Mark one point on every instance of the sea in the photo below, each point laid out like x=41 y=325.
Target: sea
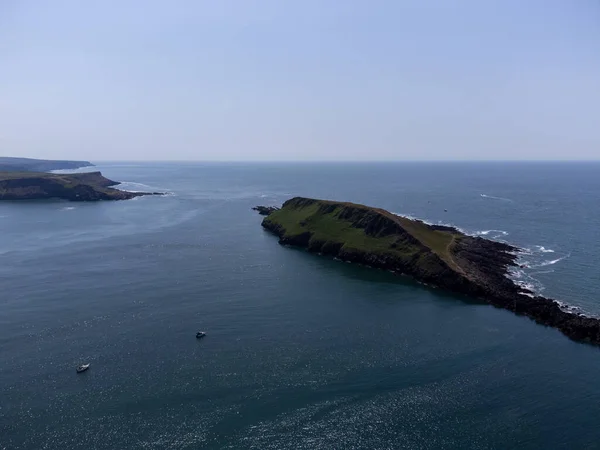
x=302 y=351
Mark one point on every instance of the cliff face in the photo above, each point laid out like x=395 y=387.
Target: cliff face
x=90 y=186
x=437 y=255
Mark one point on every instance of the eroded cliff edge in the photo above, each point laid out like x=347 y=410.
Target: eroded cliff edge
x=439 y=256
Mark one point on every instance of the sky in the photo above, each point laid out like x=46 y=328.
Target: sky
x=242 y=80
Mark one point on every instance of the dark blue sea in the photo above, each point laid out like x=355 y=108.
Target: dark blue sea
x=302 y=352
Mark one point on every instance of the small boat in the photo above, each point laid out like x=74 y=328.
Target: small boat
x=82 y=368
x=200 y=334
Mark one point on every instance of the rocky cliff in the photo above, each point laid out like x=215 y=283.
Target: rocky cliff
x=437 y=255
x=90 y=186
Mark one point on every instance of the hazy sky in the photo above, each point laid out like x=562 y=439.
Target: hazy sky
x=297 y=80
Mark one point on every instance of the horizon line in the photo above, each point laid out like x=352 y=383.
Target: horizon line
x=342 y=161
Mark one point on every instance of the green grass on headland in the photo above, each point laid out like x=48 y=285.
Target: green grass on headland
x=346 y=224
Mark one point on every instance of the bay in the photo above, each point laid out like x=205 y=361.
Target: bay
x=302 y=351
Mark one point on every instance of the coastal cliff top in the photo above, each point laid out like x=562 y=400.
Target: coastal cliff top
x=430 y=252
x=89 y=186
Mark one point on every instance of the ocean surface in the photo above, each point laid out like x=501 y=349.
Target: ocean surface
x=302 y=352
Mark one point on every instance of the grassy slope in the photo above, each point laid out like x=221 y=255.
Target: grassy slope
x=40 y=181
x=92 y=178
x=327 y=226
x=12 y=164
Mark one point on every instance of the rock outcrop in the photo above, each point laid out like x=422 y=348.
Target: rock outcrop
x=439 y=256
x=265 y=210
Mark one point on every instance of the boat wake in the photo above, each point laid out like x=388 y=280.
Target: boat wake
x=504 y=199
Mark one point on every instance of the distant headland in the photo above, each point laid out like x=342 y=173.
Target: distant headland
x=439 y=256
x=10 y=164
x=27 y=179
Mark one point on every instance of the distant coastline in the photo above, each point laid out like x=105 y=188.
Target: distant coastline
x=13 y=164
x=28 y=179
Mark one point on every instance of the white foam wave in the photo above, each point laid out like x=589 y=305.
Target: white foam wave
x=524 y=280
x=411 y=217
x=439 y=223
x=67 y=208
x=462 y=230
x=524 y=274
x=527 y=285
x=492 y=234
x=528 y=264
x=132 y=186
x=530 y=267
x=553 y=261
x=133 y=183
x=497 y=198
x=517 y=274
x=529 y=294
x=543 y=249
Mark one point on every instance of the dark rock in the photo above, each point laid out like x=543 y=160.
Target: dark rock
x=265 y=210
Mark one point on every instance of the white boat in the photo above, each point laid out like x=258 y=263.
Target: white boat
x=200 y=334
x=83 y=368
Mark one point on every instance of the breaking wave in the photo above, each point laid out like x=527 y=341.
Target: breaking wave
x=554 y=261
x=132 y=186
x=529 y=259
x=491 y=234
x=535 y=263
x=428 y=222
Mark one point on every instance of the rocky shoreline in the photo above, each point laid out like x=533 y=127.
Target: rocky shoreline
x=473 y=266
